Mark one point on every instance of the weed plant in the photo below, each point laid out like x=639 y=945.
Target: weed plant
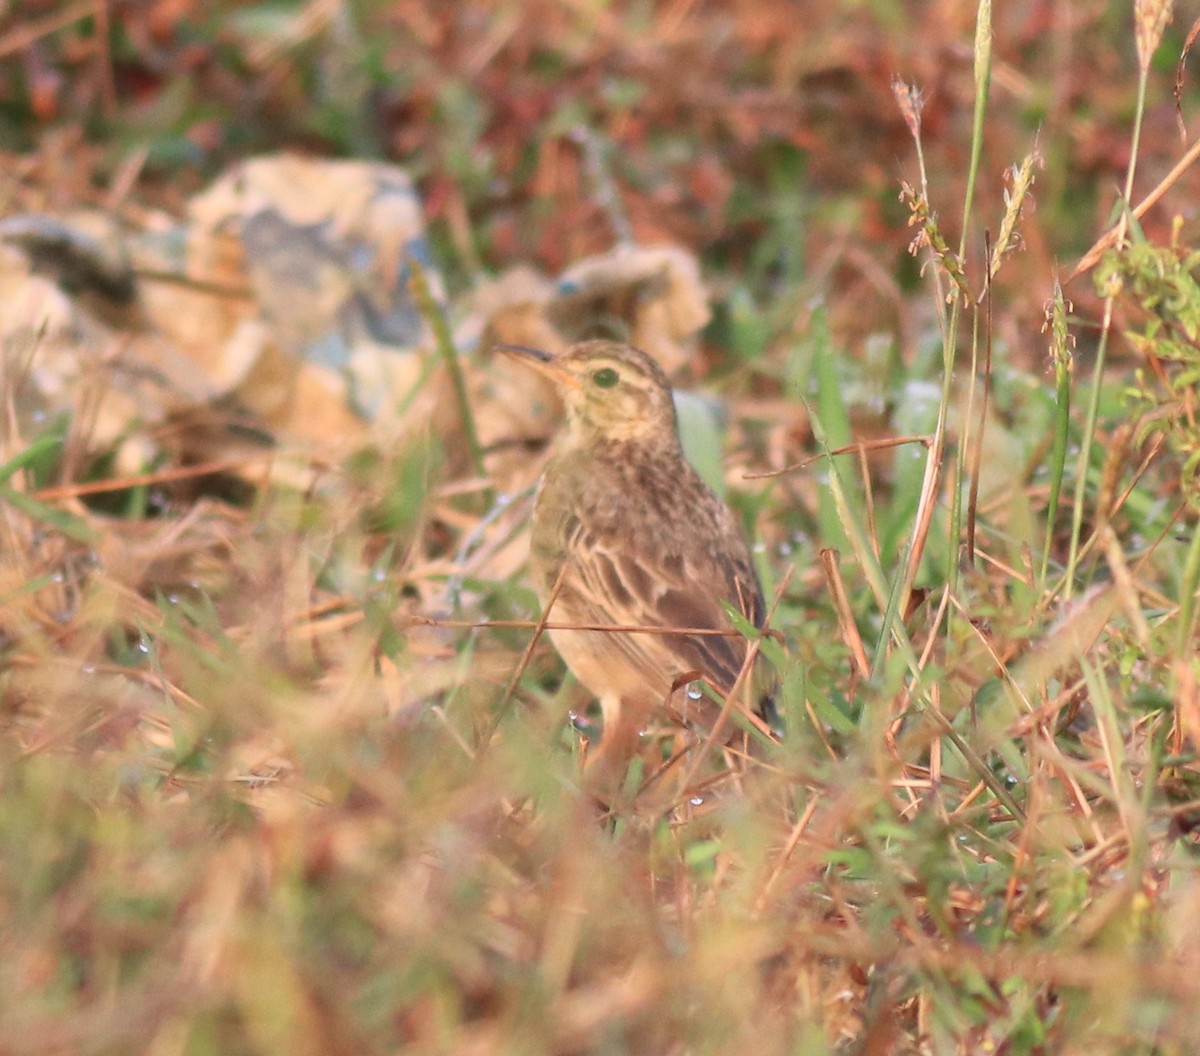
x=296 y=776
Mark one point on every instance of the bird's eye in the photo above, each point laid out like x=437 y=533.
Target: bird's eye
x=605 y=377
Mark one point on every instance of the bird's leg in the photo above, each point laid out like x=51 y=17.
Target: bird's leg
x=605 y=769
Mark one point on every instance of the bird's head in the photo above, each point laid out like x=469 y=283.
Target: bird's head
x=610 y=391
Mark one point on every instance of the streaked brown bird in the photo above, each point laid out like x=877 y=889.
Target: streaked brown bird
x=638 y=539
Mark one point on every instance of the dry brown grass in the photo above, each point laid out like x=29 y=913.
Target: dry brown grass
x=262 y=786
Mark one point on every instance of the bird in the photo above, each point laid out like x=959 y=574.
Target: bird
x=626 y=533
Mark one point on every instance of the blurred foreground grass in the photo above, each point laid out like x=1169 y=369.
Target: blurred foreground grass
x=253 y=801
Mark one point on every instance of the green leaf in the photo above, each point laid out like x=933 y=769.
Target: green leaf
x=68 y=524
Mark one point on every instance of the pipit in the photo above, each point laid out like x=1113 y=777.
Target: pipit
x=628 y=534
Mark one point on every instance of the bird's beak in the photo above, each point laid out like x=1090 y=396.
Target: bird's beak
x=543 y=362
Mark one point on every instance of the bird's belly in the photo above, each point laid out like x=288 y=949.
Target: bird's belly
x=614 y=665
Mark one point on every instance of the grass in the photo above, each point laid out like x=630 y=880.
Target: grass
x=295 y=776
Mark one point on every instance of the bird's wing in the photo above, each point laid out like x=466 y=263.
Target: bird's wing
x=656 y=582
